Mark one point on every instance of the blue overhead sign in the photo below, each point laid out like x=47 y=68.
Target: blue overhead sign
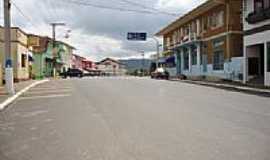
x=135 y=36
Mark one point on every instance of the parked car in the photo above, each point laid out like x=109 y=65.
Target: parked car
x=73 y=72
x=160 y=73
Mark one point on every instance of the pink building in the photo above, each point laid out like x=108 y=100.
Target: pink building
x=87 y=64
x=77 y=61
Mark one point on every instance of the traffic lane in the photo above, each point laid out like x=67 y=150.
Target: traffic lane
x=133 y=119
x=57 y=128
x=226 y=121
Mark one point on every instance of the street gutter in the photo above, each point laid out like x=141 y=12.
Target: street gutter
x=247 y=90
x=11 y=99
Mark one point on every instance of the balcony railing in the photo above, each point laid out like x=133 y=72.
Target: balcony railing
x=258 y=16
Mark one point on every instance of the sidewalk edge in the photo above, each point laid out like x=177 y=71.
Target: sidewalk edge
x=9 y=100
x=247 y=90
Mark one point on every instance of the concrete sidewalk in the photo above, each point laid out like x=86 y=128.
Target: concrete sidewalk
x=20 y=88
x=232 y=87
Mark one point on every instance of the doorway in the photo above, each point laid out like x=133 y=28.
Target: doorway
x=256 y=64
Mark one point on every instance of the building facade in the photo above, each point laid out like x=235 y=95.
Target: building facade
x=256 y=22
x=111 y=67
x=20 y=53
x=78 y=61
x=207 y=41
x=47 y=54
x=88 y=65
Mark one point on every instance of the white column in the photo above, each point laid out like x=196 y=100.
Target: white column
x=189 y=59
x=199 y=54
x=245 y=66
x=199 y=57
x=182 y=59
x=198 y=26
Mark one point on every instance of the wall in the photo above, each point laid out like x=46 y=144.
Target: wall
x=22 y=72
x=38 y=65
x=233 y=70
x=18 y=46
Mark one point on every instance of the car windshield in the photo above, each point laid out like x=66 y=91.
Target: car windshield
x=134 y=80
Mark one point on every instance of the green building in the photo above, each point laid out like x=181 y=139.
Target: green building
x=45 y=54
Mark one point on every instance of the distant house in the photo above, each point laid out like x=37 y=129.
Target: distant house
x=78 y=61
x=87 y=64
x=111 y=66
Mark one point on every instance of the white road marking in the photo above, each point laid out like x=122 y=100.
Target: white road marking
x=34 y=113
x=48 y=92
x=48 y=88
x=45 y=97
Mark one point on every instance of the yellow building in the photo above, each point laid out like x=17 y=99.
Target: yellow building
x=19 y=51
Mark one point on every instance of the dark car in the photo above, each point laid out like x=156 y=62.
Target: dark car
x=73 y=72
x=160 y=73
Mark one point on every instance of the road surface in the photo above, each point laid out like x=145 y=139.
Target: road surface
x=134 y=119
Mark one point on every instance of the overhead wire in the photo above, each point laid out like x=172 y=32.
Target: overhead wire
x=121 y=9
x=24 y=15
x=148 y=7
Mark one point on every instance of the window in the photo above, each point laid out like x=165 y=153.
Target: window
x=23 y=60
x=218 y=56
x=218 y=60
x=186 y=60
x=187 y=30
x=216 y=19
x=168 y=42
x=220 y=19
x=204 y=21
x=266 y=4
x=194 y=55
x=258 y=5
x=268 y=57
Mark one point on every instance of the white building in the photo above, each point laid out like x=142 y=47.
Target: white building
x=111 y=67
x=256 y=19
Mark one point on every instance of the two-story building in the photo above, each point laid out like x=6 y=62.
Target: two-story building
x=20 y=53
x=256 y=22
x=78 y=61
x=207 y=41
x=46 y=55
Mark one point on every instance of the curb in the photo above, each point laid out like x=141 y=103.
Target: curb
x=251 y=91
x=18 y=94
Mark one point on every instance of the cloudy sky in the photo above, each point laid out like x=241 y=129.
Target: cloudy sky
x=99 y=27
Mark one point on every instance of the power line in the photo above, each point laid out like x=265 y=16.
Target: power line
x=147 y=7
x=112 y=8
x=23 y=14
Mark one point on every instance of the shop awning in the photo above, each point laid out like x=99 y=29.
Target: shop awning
x=167 y=53
x=170 y=59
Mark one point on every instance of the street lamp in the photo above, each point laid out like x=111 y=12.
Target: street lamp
x=143 y=63
x=157 y=45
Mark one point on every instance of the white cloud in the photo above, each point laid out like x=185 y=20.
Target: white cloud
x=97 y=33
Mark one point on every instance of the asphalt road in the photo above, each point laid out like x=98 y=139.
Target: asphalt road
x=134 y=119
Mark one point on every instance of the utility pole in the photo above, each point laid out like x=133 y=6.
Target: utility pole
x=54 y=25
x=8 y=58
x=143 y=63
x=157 y=45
